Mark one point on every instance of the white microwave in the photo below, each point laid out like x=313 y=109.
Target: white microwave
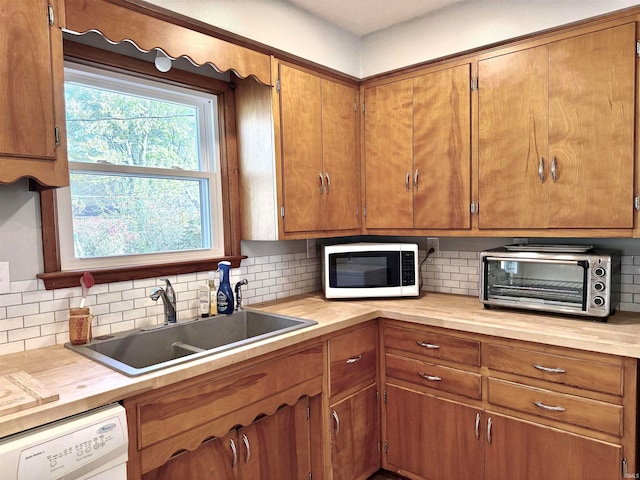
x=367 y=270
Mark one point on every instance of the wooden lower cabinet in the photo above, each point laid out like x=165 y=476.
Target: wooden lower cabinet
x=524 y=450
x=432 y=438
x=355 y=439
x=276 y=446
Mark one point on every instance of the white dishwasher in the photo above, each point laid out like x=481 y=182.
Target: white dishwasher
x=91 y=445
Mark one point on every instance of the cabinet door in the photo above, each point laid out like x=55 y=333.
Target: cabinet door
x=433 y=438
x=520 y=449
x=216 y=458
x=302 y=173
x=340 y=156
x=442 y=149
x=355 y=436
x=513 y=135
x=276 y=446
x=31 y=94
x=388 y=140
x=591 y=129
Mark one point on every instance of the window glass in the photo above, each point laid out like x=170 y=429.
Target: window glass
x=143 y=176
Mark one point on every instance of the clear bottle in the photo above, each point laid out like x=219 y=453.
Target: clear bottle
x=211 y=291
x=225 y=294
x=204 y=296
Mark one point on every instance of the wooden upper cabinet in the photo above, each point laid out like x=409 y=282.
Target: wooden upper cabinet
x=340 y=156
x=388 y=144
x=556 y=134
x=320 y=167
x=442 y=149
x=302 y=172
x=418 y=152
x=31 y=94
x=591 y=129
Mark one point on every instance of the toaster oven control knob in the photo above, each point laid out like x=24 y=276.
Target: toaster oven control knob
x=599 y=271
x=599 y=287
x=598 y=301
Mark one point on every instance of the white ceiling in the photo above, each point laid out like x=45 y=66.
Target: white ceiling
x=365 y=16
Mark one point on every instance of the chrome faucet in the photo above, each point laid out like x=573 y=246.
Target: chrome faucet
x=168 y=296
x=238 y=289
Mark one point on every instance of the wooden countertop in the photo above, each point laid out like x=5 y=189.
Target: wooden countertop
x=84 y=384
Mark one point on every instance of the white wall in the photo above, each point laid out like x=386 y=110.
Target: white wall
x=279 y=25
x=468 y=25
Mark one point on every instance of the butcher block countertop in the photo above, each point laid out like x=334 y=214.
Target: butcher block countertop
x=83 y=384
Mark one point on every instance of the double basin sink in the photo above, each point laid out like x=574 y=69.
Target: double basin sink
x=136 y=352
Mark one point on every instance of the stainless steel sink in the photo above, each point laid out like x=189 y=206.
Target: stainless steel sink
x=136 y=352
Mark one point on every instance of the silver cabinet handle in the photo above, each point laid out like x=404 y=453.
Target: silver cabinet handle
x=431 y=378
x=326 y=175
x=549 y=407
x=549 y=370
x=541 y=169
x=406 y=180
x=355 y=359
x=553 y=169
x=336 y=419
x=235 y=453
x=431 y=346
x=489 y=425
x=478 y=426
x=415 y=178
x=248 y=447
x=321 y=182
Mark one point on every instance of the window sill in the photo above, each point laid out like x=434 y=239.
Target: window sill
x=71 y=278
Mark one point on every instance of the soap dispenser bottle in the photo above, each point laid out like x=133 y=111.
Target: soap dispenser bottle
x=225 y=294
x=211 y=291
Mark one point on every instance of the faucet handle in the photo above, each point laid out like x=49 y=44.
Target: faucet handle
x=169 y=289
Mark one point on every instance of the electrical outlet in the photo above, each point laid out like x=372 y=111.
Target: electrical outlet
x=5 y=285
x=433 y=242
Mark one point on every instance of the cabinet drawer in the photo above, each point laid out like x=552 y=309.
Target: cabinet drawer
x=599 y=377
x=170 y=414
x=429 y=375
x=352 y=358
x=570 y=409
x=433 y=345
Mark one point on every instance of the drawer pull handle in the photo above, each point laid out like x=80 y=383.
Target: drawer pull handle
x=354 y=359
x=477 y=426
x=549 y=370
x=431 y=346
x=336 y=419
x=548 y=407
x=248 y=447
x=489 y=425
x=235 y=453
x=431 y=378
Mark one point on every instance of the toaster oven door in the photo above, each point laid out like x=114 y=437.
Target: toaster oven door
x=542 y=284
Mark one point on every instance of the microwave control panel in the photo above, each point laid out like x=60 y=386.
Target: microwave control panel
x=408 y=268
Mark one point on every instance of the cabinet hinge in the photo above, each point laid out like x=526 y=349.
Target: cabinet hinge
x=278 y=85
x=309 y=475
x=364 y=210
x=386 y=447
x=379 y=447
x=474 y=83
x=384 y=397
x=475 y=208
x=377 y=396
x=355 y=106
x=282 y=211
x=638 y=48
x=636 y=202
x=363 y=108
x=56 y=135
x=308 y=411
x=52 y=17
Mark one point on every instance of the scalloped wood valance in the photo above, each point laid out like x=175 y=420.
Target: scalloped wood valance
x=119 y=21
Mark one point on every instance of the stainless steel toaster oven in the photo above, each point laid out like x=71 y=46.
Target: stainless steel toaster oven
x=571 y=279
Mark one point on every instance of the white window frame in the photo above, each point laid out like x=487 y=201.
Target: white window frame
x=210 y=170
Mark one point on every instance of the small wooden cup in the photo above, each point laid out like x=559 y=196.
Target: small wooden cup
x=80 y=320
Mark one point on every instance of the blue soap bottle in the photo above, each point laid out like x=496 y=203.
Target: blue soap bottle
x=225 y=294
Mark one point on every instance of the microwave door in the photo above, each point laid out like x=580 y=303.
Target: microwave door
x=529 y=282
